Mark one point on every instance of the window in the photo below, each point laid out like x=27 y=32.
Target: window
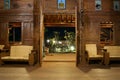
x=106 y=33
x=15 y=32
x=116 y=5
x=7 y=4
x=98 y=5
x=61 y=4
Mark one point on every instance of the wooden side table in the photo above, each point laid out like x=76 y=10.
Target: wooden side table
x=106 y=58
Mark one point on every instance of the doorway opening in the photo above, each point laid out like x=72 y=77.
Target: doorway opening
x=59 y=43
x=59 y=37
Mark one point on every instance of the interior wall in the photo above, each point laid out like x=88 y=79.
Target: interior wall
x=92 y=19
x=18 y=4
x=20 y=11
x=28 y=13
x=50 y=6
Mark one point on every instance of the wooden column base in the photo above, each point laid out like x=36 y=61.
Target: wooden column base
x=106 y=58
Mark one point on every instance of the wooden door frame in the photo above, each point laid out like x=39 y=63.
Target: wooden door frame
x=42 y=26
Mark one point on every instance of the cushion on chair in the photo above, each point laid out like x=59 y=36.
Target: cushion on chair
x=1 y=47
x=19 y=52
x=91 y=49
x=114 y=51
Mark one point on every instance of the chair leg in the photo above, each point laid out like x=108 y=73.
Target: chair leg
x=31 y=59
x=1 y=62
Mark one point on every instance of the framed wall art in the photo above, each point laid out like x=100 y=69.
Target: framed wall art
x=61 y=4
x=116 y=5
x=6 y=4
x=98 y=5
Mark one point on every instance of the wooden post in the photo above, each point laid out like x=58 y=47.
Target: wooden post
x=106 y=58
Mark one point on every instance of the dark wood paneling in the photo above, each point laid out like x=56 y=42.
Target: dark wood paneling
x=3 y=33
x=20 y=11
x=50 y=6
x=1 y=4
x=22 y=4
x=107 y=5
x=12 y=12
x=15 y=18
x=18 y=4
x=27 y=33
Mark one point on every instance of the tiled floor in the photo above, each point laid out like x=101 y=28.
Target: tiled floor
x=60 y=57
x=60 y=70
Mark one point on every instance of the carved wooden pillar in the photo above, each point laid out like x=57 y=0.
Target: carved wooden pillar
x=80 y=33
x=37 y=28
x=77 y=38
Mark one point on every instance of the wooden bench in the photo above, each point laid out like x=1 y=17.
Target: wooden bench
x=92 y=53
x=20 y=53
x=114 y=52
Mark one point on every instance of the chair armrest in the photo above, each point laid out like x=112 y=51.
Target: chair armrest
x=104 y=50
x=87 y=56
x=2 y=55
x=32 y=57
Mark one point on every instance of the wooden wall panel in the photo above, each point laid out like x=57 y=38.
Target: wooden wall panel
x=20 y=11
x=16 y=18
x=116 y=34
x=107 y=5
x=22 y=4
x=48 y=3
x=70 y=4
x=17 y=7
x=93 y=18
x=1 y=4
x=18 y=4
x=90 y=5
x=52 y=7
x=3 y=33
x=92 y=27
x=27 y=33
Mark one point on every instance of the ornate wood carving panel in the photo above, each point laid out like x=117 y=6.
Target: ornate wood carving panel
x=59 y=20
